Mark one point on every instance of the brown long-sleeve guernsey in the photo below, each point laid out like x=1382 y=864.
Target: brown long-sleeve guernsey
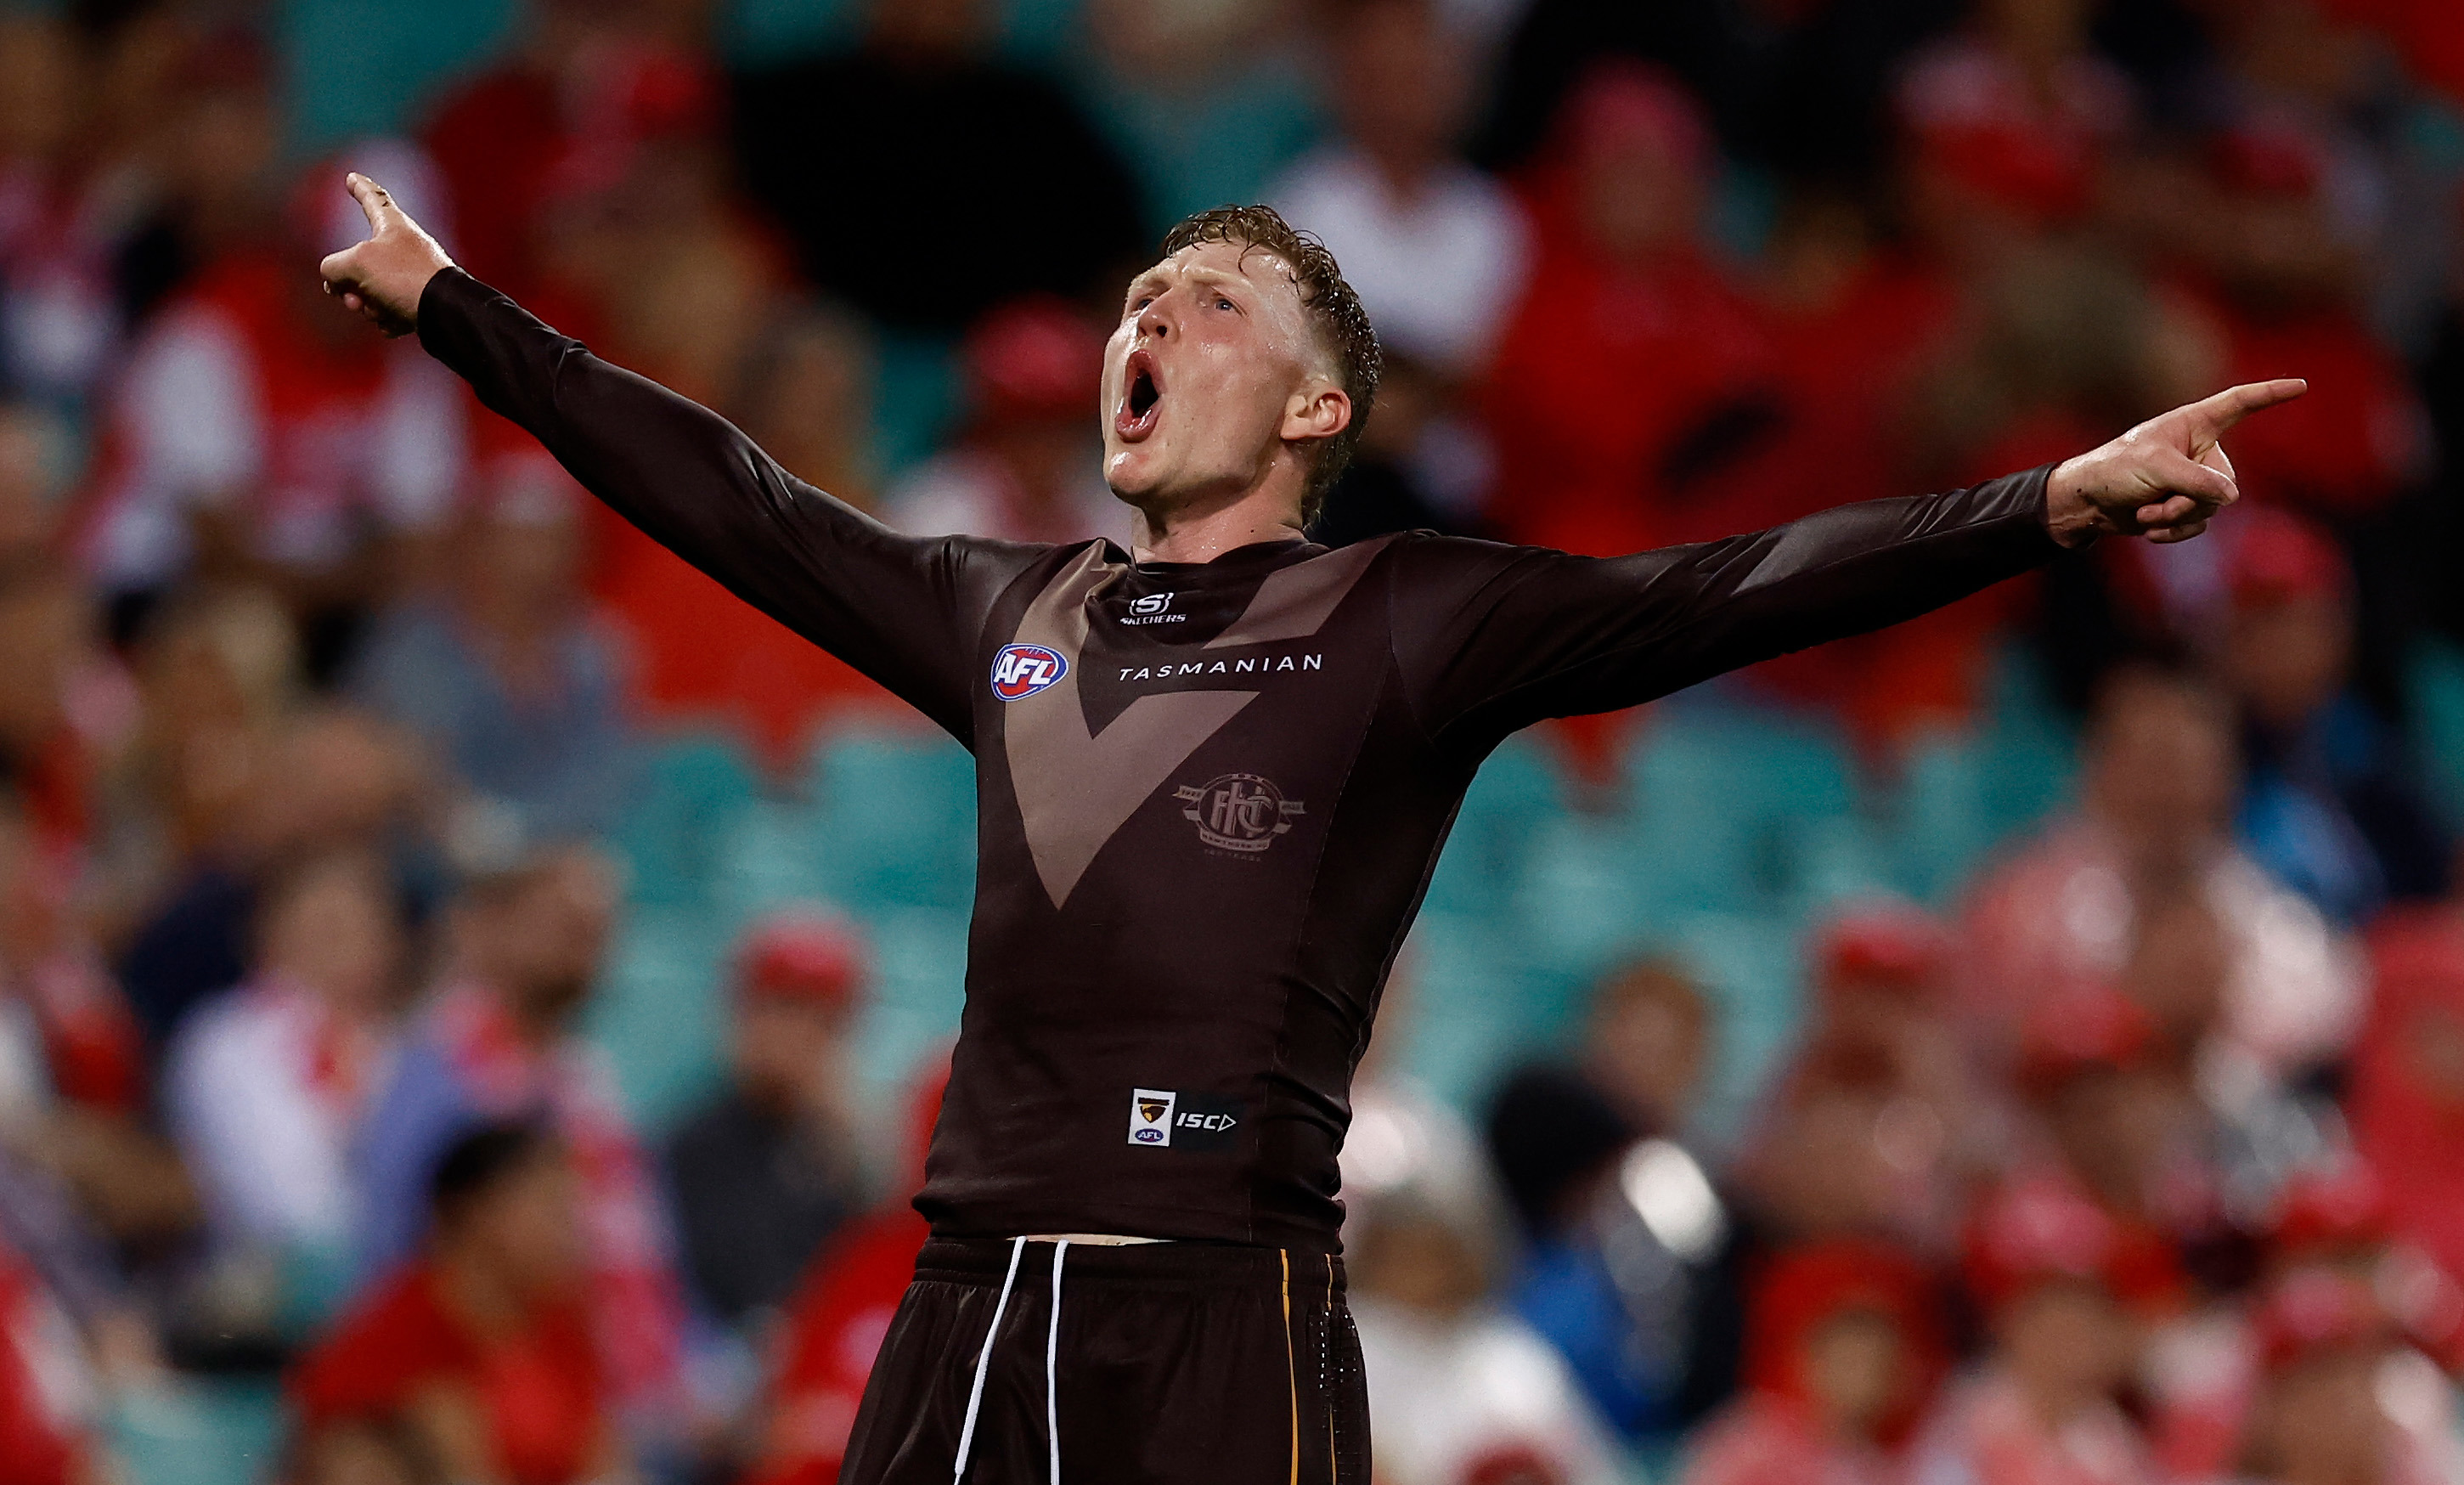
x=1209 y=795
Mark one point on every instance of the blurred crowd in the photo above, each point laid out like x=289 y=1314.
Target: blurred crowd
x=322 y=691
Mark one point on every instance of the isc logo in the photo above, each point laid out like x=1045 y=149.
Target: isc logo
x=1021 y=671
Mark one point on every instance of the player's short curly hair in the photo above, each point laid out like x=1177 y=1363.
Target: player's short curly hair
x=1333 y=308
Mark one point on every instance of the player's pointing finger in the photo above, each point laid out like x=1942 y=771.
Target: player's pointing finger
x=375 y=202
x=2212 y=418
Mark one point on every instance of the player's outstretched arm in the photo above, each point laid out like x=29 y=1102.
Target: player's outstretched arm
x=2164 y=479
x=1501 y=637
x=889 y=604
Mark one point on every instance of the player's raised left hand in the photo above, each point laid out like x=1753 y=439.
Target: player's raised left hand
x=2163 y=479
x=383 y=277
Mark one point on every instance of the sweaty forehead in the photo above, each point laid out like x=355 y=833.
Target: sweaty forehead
x=1219 y=261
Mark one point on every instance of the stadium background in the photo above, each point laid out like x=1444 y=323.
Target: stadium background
x=1882 y=980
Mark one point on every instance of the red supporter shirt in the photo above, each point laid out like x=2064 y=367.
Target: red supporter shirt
x=833 y=1333
x=1602 y=374
x=2348 y=445
x=40 y=1442
x=539 y=1390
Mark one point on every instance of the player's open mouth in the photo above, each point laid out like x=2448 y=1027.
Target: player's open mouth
x=1141 y=399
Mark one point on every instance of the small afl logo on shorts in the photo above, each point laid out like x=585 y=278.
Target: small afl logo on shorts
x=1151 y=1116
x=1021 y=671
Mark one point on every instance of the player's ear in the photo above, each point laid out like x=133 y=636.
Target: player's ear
x=1318 y=410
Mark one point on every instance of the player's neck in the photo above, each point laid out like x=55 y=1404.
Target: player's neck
x=1266 y=514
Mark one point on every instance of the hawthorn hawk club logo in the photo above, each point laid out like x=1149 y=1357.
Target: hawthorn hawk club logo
x=1151 y=1116
x=1238 y=811
x=1021 y=671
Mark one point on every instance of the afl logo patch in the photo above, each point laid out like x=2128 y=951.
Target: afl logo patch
x=1021 y=671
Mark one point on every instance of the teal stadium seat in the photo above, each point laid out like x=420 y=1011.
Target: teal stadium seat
x=893 y=820
x=197 y=1430
x=2435 y=677
x=1488 y=852
x=658 y=1015
x=919 y=985
x=1959 y=796
x=695 y=790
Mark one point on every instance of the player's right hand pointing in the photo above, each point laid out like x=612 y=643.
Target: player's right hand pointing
x=383 y=277
x=2163 y=479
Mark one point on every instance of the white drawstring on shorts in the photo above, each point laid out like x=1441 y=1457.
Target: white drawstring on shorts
x=1051 y=1364
x=1051 y=1354
x=984 y=1362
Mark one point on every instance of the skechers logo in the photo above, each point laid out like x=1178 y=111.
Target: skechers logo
x=1021 y=671
x=1152 y=608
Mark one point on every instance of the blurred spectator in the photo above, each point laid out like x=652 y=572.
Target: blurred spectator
x=1207 y=97
x=1417 y=467
x=260 y=432
x=767 y=1171
x=2007 y=120
x=1631 y=355
x=2206 y=1379
x=58 y=707
x=505 y=141
x=2156 y=790
x=2110 y=1102
x=1460 y=1386
x=1854 y=318
x=2327 y=805
x=644 y=238
x=1845 y=1346
x=73 y=1086
x=875 y=163
x=219 y=160
x=66 y=1032
x=2303 y=69
x=2041 y=1409
x=35 y=451
x=2058 y=344
x=805 y=393
x=49 y=1404
x=1833 y=1155
x=2264 y=259
x=506 y=674
x=2338 y=1401
x=330 y=778
x=480 y=1350
x=1436 y=250
x=84 y=102
x=2425 y=32
x=804 y=389
x=1631 y=1267
x=2408 y=1078
x=265 y=1086
x=841 y=1311
x=217 y=674
x=498 y=1042
x=1029 y=466
x=1458 y=1389
x=1555 y=43
x=1882 y=1034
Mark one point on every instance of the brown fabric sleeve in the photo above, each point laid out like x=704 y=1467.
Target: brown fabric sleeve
x=1491 y=639
x=906 y=610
